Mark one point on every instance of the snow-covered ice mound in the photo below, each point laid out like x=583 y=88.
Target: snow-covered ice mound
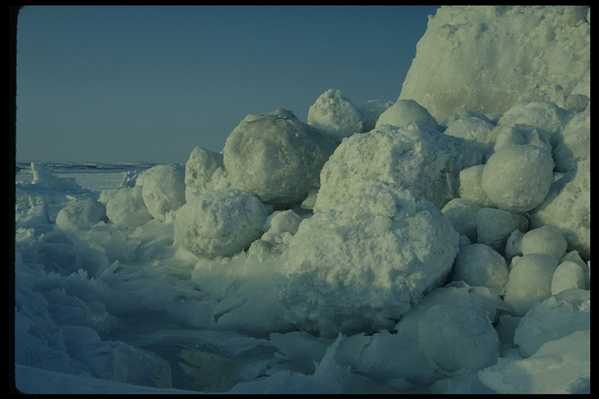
x=80 y=214
x=126 y=207
x=219 y=223
x=405 y=112
x=204 y=171
x=163 y=190
x=365 y=262
x=335 y=115
x=424 y=162
x=275 y=156
x=489 y=58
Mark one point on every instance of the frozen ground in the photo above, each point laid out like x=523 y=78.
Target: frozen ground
x=373 y=249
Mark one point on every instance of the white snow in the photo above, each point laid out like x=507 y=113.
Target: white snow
x=126 y=207
x=163 y=190
x=334 y=114
x=204 y=171
x=518 y=177
x=406 y=112
x=80 y=214
x=275 y=156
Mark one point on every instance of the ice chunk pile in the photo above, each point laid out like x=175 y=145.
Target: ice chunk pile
x=438 y=244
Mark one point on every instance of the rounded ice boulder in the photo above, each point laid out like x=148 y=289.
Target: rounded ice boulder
x=575 y=145
x=276 y=157
x=568 y=207
x=163 y=190
x=473 y=128
x=546 y=240
x=365 y=262
x=479 y=265
x=517 y=178
x=529 y=281
x=406 y=112
x=126 y=207
x=554 y=318
x=335 y=115
x=219 y=223
x=568 y=275
x=424 y=162
x=204 y=171
x=547 y=118
x=506 y=136
x=494 y=226
x=80 y=214
x=470 y=186
x=371 y=112
x=462 y=215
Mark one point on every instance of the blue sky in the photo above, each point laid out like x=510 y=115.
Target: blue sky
x=132 y=83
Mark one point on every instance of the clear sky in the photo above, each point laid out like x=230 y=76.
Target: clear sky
x=136 y=83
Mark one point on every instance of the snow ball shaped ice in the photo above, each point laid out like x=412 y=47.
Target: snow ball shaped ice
x=405 y=112
x=470 y=186
x=334 y=114
x=546 y=240
x=219 y=223
x=275 y=156
x=472 y=128
x=576 y=142
x=204 y=171
x=126 y=207
x=371 y=112
x=423 y=162
x=80 y=214
x=494 y=226
x=281 y=222
x=568 y=275
x=163 y=190
x=506 y=136
x=462 y=215
x=481 y=266
x=529 y=281
x=517 y=178
x=455 y=339
x=545 y=116
x=568 y=207
x=554 y=318
x=366 y=262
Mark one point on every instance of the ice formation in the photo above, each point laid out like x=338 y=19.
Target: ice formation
x=479 y=265
x=126 y=207
x=219 y=223
x=204 y=171
x=275 y=156
x=568 y=207
x=554 y=318
x=422 y=161
x=371 y=111
x=529 y=281
x=546 y=240
x=384 y=249
x=494 y=57
x=334 y=114
x=380 y=237
x=494 y=226
x=405 y=112
x=517 y=178
x=163 y=190
x=80 y=214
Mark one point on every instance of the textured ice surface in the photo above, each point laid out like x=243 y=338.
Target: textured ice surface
x=529 y=281
x=479 y=265
x=462 y=215
x=406 y=112
x=163 y=190
x=568 y=207
x=366 y=261
x=489 y=58
x=470 y=186
x=80 y=214
x=546 y=240
x=334 y=114
x=219 y=223
x=204 y=171
x=424 y=162
x=126 y=207
x=275 y=156
x=554 y=318
x=494 y=226
x=575 y=144
x=371 y=111
x=518 y=177
x=561 y=366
